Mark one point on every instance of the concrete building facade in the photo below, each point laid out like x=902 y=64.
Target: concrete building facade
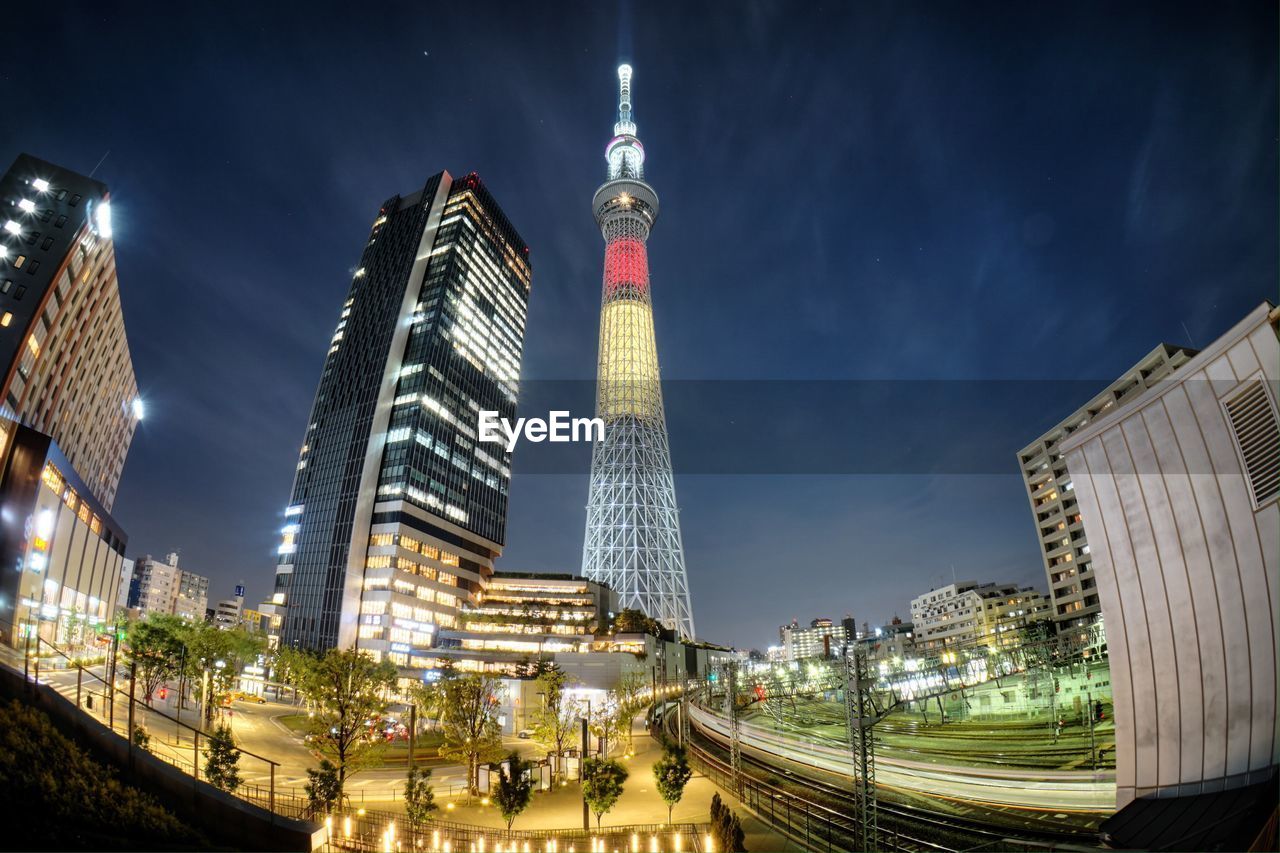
x=162 y=587
x=1064 y=547
x=968 y=614
x=65 y=367
x=1179 y=491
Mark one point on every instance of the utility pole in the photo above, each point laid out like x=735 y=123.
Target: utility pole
x=133 y=677
x=111 y=679
x=413 y=728
x=1093 y=762
x=861 y=715
x=735 y=732
x=582 y=767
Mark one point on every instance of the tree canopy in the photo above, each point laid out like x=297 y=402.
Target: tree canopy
x=347 y=689
x=602 y=785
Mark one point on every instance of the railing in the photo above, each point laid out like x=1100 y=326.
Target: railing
x=369 y=831
x=356 y=828
x=185 y=749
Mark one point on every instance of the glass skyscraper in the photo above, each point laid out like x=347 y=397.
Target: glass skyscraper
x=397 y=513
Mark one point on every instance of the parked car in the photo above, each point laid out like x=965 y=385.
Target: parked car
x=241 y=696
x=525 y=733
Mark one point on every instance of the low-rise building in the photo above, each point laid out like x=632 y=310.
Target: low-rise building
x=520 y=620
x=518 y=617
x=895 y=640
x=967 y=613
x=67 y=550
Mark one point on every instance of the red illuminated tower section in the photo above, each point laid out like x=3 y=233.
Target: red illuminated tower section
x=632 y=539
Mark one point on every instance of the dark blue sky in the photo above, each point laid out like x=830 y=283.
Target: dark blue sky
x=852 y=191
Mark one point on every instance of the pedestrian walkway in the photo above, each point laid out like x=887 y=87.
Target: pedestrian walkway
x=640 y=803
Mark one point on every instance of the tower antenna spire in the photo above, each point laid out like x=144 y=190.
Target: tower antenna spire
x=626 y=124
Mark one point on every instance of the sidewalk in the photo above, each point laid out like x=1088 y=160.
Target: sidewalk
x=640 y=803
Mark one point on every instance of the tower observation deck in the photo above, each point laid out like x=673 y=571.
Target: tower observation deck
x=632 y=540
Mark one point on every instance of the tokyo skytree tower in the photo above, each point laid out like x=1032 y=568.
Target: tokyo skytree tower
x=633 y=540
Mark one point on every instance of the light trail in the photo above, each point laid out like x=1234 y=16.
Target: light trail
x=1080 y=791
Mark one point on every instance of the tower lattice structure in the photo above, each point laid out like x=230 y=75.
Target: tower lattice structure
x=632 y=538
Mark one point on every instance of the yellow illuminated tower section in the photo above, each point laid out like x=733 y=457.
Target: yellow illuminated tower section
x=632 y=539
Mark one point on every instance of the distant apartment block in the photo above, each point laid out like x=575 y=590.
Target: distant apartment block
x=969 y=614
x=162 y=587
x=822 y=638
x=229 y=612
x=1065 y=550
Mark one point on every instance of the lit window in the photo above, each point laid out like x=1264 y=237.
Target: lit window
x=27 y=205
x=6 y=319
x=41 y=185
x=13 y=227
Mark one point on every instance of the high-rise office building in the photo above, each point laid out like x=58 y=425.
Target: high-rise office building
x=1073 y=591
x=397 y=513
x=632 y=540
x=63 y=351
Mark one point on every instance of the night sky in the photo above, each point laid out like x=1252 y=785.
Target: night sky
x=882 y=192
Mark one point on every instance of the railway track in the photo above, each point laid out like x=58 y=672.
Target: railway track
x=901 y=826
x=905 y=822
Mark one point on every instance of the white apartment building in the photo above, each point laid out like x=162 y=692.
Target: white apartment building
x=162 y=587
x=822 y=638
x=968 y=613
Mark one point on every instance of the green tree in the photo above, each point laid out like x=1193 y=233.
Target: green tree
x=215 y=658
x=726 y=829
x=632 y=621
x=222 y=760
x=468 y=707
x=154 y=646
x=347 y=689
x=612 y=719
x=514 y=788
x=419 y=797
x=323 y=788
x=671 y=773
x=291 y=667
x=602 y=785
x=557 y=716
